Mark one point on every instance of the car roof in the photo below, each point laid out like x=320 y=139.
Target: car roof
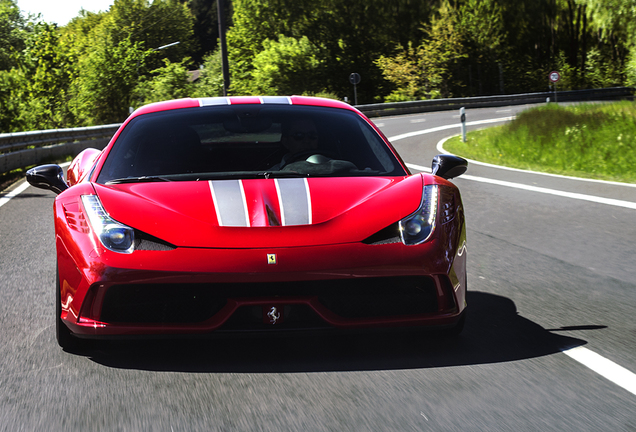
x=239 y=100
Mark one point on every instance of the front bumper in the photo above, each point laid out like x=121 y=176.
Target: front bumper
x=190 y=290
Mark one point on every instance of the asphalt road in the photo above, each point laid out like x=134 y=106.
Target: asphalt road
x=547 y=273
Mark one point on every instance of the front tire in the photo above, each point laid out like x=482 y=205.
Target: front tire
x=63 y=335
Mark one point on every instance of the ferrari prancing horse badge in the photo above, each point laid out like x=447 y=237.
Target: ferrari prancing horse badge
x=271 y=258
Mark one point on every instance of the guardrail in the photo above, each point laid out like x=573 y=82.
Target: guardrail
x=400 y=108
x=23 y=149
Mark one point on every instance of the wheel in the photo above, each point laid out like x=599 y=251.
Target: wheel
x=63 y=335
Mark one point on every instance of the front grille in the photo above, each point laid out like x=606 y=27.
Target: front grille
x=294 y=316
x=160 y=303
x=192 y=303
x=380 y=297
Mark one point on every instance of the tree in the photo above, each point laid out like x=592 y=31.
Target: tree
x=427 y=72
x=55 y=68
x=403 y=72
x=347 y=36
x=13 y=31
x=285 y=66
x=11 y=101
x=168 y=82
x=106 y=81
x=616 y=24
x=210 y=82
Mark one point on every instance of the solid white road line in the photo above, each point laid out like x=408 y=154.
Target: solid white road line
x=17 y=191
x=583 y=197
x=578 y=196
x=599 y=364
x=446 y=127
x=604 y=367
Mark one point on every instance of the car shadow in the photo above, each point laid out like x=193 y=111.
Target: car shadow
x=494 y=333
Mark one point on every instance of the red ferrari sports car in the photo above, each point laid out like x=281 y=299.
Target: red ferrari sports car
x=253 y=214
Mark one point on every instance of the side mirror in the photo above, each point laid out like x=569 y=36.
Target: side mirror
x=50 y=177
x=449 y=166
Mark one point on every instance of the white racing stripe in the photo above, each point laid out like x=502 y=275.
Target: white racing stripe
x=230 y=204
x=294 y=199
x=604 y=367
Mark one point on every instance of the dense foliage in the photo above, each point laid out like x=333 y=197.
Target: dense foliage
x=98 y=66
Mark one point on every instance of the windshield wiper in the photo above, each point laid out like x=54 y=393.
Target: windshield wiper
x=142 y=179
x=282 y=174
x=208 y=176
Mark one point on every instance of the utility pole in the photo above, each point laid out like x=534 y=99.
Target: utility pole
x=226 y=67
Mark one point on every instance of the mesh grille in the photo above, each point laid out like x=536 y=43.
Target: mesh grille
x=192 y=303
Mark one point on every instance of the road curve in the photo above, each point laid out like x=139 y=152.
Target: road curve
x=549 y=276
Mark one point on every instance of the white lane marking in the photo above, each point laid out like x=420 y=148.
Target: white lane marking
x=597 y=363
x=604 y=367
x=17 y=191
x=441 y=149
x=445 y=127
x=583 y=197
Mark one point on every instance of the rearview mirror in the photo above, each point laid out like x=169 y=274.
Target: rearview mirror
x=449 y=166
x=49 y=177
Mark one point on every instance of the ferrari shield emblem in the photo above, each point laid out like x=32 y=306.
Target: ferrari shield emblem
x=271 y=258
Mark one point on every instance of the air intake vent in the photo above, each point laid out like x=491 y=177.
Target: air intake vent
x=146 y=242
x=390 y=234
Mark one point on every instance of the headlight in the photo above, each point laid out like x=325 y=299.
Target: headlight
x=418 y=227
x=113 y=235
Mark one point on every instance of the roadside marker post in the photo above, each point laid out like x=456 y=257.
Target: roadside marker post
x=354 y=79
x=554 y=78
x=462 y=119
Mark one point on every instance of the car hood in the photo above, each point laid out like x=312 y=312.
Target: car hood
x=263 y=213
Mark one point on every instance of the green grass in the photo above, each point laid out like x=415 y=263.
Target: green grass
x=588 y=140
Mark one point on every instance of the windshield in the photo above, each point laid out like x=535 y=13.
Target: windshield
x=247 y=141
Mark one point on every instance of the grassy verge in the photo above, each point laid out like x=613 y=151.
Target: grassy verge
x=589 y=140
x=7 y=179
